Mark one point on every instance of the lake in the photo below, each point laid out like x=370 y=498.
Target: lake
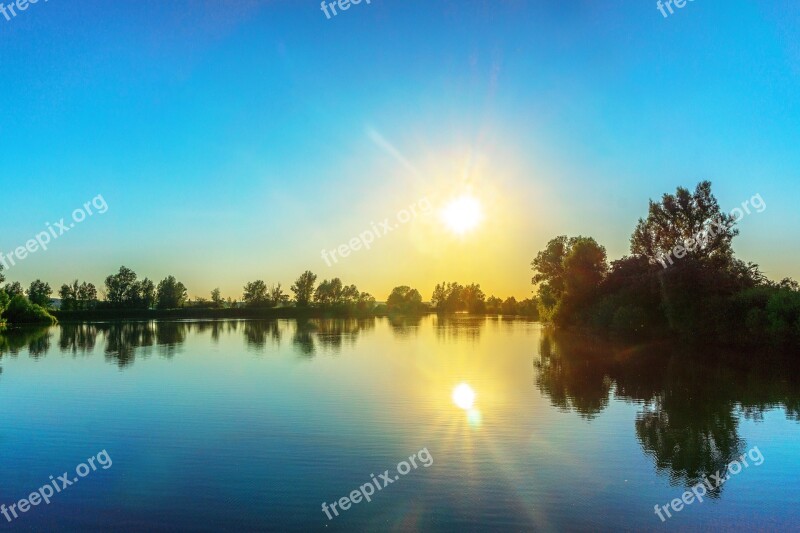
x=253 y=425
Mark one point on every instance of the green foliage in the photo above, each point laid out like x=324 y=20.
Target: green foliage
x=146 y=294
x=528 y=307
x=678 y=220
x=39 y=293
x=216 y=299
x=303 y=288
x=124 y=291
x=405 y=300
x=255 y=294
x=783 y=314
x=14 y=289
x=494 y=305
x=78 y=296
x=569 y=272
x=171 y=294
x=453 y=297
x=21 y=311
x=705 y=296
x=5 y=299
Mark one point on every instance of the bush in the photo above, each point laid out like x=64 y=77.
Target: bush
x=629 y=321
x=21 y=311
x=783 y=313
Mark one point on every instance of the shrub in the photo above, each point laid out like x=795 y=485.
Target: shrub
x=21 y=311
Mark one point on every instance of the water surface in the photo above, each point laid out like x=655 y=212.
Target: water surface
x=252 y=425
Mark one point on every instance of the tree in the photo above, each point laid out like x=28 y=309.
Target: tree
x=568 y=271
x=364 y=303
x=685 y=223
x=494 y=305
x=216 y=298
x=39 y=293
x=68 y=297
x=77 y=296
x=14 y=289
x=473 y=299
x=303 y=288
x=171 y=294
x=276 y=296
x=329 y=292
x=255 y=294
x=510 y=306
x=448 y=298
x=87 y=296
x=4 y=298
x=145 y=294
x=404 y=299
x=122 y=290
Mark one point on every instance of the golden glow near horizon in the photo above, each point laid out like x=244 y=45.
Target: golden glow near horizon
x=462 y=215
x=464 y=396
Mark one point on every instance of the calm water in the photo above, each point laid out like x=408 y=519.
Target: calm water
x=252 y=425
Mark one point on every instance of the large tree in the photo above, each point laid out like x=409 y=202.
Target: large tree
x=404 y=299
x=692 y=222
x=330 y=292
x=87 y=296
x=171 y=293
x=39 y=293
x=122 y=290
x=568 y=271
x=77 y=296
x=255 y=294
x=14 y=289
x=303 y=288
x=448 y=297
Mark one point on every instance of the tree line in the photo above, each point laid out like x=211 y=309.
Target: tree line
x=125 y=291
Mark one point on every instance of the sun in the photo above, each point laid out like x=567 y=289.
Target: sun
x=464 y=396
x=462 y=215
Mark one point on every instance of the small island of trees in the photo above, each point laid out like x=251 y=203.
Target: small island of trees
x=704 y=294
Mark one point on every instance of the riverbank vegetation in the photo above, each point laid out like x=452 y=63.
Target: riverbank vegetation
x=701 y=292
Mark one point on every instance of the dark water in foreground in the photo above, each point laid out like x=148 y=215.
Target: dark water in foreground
x=252 y=425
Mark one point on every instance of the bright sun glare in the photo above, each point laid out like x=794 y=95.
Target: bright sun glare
x=464 y=396
x=462 y=214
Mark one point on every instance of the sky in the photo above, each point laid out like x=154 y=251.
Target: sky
x=234 y=141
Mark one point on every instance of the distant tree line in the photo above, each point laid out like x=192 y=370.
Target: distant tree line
x=125 y=291
x=453 y=297
x=704 y=294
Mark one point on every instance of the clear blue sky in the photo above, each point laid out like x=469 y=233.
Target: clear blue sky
x=235 y=140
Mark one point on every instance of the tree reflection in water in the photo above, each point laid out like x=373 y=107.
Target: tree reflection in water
x=691 y=401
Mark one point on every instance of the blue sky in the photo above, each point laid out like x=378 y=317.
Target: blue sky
x=235 y=140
